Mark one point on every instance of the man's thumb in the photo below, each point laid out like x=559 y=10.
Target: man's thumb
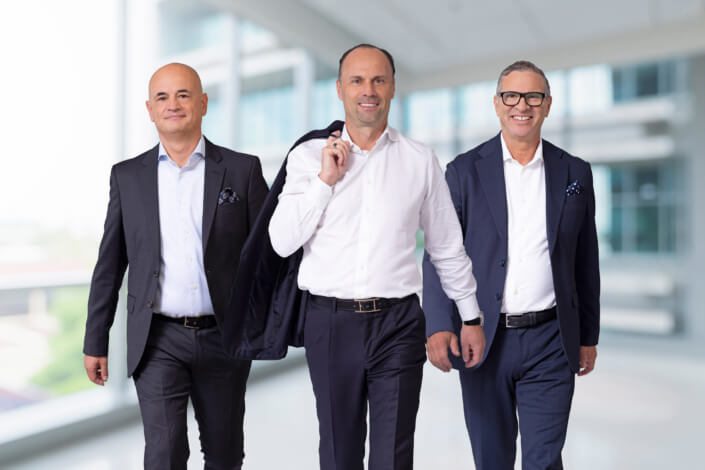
x=454 y=348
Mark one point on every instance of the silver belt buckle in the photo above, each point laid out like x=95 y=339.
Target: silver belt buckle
x=190 y=325
x=374 y=305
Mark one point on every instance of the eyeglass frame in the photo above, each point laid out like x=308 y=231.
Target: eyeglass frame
x=522 y=96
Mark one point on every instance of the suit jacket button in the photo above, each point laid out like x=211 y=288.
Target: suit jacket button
x=155 y=274
x=150 y=303
x=498 y=296
x=502 y=262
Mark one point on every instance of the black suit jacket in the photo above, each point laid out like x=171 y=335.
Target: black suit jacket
x=131 y=238
x=476 y=182
x=270 y=307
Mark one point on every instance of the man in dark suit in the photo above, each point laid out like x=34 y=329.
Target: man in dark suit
x=527 y=210
x=178 y=216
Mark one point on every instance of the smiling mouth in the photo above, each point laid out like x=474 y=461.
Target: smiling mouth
x=368 y=105
x=521 y=118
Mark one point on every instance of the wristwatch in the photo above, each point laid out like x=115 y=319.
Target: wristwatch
x=474 y=322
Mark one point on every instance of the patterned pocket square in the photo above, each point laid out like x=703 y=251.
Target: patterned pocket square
x=574 y=188
x=227 y=195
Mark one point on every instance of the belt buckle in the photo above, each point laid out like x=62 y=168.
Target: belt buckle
x=189 y=325
x=506 y=321
x=360 y=309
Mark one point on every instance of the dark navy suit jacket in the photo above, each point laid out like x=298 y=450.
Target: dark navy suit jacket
x=267 y=309
x=476 y=182
x=131 y=237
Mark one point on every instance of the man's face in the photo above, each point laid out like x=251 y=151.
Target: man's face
x=521 y=121
x=366 y=88
x=176 y=102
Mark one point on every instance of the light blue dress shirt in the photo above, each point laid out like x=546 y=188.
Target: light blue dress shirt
x=183 y=289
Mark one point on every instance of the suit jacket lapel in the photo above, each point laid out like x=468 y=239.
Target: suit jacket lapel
x=556 y=183
x=213 y=181
x=490 y=170
x=149 y=186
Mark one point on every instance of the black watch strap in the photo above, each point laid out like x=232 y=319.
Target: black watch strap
x=473 y=322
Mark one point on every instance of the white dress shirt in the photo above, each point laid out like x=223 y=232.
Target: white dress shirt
x=183 y=290
x=359 y=235
x=529 y=282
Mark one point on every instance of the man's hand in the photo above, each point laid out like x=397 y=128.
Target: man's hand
x=588 y=355
x=334 y=160
x=96 y=368
x=437 y=346
x=472 y=341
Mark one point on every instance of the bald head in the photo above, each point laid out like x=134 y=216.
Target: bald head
x=179 y=70
x=176 y=102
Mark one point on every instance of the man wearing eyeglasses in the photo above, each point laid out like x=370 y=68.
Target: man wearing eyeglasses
x=527 y=210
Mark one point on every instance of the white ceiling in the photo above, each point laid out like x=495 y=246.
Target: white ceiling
x=448 y=42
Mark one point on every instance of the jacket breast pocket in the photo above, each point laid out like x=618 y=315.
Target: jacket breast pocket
x=231 y=215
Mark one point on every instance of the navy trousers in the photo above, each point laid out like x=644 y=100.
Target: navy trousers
x=526 y=373
x=179 y=363
x=360 y=358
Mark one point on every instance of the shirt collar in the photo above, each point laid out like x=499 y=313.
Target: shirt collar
x=389 y=133
x=507 y=155
x=199 y=151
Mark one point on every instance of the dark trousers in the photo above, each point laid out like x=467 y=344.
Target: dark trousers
x=526 y=373
x=360 y=358
x=179 y=363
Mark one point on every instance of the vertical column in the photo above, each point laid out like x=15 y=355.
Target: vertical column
x=304 y=76
x=117 y=368
x=691 y=249
x=232 y=85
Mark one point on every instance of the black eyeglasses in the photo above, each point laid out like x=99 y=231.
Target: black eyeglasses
x=512 y=98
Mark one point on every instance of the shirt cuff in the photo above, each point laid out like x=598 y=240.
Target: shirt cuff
x=468 y=308
x=319 y=193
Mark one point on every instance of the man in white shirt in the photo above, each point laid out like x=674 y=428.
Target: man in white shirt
x=536 y=260
x=354 y=203
x=178 y=216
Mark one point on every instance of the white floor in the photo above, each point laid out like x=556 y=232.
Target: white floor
x=633 y=412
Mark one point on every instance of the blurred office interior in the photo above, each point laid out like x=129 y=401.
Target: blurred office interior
x=628 y=85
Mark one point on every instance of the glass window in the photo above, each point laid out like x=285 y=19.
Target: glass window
x=645 y=80
x=476 y=104
x=641 y=202
x=325 y=106
x=53 y=188
x=186 y=27
x=267 y=118
x=428 y=111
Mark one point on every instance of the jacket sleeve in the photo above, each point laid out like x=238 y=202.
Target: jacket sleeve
x=587 y=272
x=107 y=276
x=438 y=308
x=302 y=202
x=257 y=192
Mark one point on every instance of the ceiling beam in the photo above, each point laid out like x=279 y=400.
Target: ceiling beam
x=682 y=38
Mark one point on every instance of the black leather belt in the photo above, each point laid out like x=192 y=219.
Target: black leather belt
x=528 y=319
x=371 y=305
x=195 y=323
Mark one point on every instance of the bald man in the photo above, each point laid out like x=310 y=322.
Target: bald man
x=178 y=216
